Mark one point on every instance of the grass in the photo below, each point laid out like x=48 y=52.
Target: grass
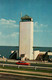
x=7 y=62
x=25 y=69
x=43 y=65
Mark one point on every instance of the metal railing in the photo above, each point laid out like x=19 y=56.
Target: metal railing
x=25 y=66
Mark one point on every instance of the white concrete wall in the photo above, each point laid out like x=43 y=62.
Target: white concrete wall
x=26 y=39
x=35 y=54
x=42 y=52
x=12 y=52
x=50 y=53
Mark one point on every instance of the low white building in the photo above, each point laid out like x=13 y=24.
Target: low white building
x=35 y=54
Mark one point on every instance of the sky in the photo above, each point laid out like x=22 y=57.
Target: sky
x=10 y=16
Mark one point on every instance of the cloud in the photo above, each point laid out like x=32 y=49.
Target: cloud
x=0 y=33
x=38 y=25
x=42 y=25
x=9 y=39
x=8 y=23
x=12 y=35
x=38 y=31
x=9 y=32
x=4 y=21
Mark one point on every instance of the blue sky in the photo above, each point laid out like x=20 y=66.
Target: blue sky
x=10 y=14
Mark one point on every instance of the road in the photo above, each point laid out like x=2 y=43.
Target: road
x=18 y=77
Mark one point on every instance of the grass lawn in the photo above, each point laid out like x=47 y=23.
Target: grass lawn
x=43 y=65
x=25 y=69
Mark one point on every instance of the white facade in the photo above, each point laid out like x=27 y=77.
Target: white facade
x=26 y=39
x=35 y=54
x=42 y=52
x=50 y=53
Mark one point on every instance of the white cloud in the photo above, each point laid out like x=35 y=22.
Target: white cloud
x=40 y=27
x=36 y=24
x=8 y=32
x=41 y=24
x=12 y=35
x=9 y=39
x=38 y=31
x=0 y=33
x=8 y=23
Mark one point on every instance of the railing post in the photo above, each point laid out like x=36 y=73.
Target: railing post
x=18 y=67
x=3 y=65
x=35 y=67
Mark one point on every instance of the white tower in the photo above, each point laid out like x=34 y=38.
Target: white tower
x=26 y=38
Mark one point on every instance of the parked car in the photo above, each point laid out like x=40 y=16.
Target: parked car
x=22 y=63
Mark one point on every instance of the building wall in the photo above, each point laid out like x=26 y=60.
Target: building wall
x=50 y=53
x=26 y=39
x=42 y=52
x=35 y=54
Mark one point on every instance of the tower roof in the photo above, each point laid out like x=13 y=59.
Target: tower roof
x=26 y=17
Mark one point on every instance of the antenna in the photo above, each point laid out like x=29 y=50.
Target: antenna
x=19 y=17
x=21 y=14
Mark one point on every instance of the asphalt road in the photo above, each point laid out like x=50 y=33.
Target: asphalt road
x=17 y=77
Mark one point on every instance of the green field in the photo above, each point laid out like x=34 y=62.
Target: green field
x=26 y=69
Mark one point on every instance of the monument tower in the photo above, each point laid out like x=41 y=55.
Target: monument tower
x=26 y=38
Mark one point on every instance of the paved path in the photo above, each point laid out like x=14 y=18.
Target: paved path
x=40 y=73
x=5 y=76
